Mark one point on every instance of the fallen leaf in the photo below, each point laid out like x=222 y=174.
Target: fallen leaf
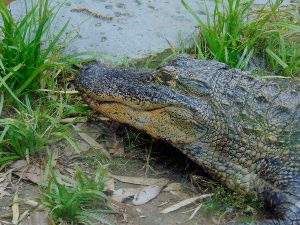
x=195 y=212
x=4 y=182
x=110 y=185
x=27 y=171
x=121 y=207
x=163 y=203
x=82 y=145
x=138 y=180
x=63 y=92
x=92 y=142
x=36 y=218
x=116 y=146
x=125 y=217
x=104 y=118
x=116 y=143
x=71 y=171
x=73 y=119
x=15 y=209
x=31 y=202
x=18 y=164
x=184 y=203
x=24 y=215
x=61 y=181
x=123 y=193
x=147 y=193
x=3 y=186
x=180 y=194
x=173 y=187
x=138 y=210
x=34 y=204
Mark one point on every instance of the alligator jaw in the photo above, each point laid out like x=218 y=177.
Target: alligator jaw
x=149 y=120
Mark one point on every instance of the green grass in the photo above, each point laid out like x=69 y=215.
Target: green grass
x=229 y=204
x=31 y=130
x=283 y=43
x=30 y=118
x=98 y=159
x=234 y=33
x=27 y=62
x=82 y=202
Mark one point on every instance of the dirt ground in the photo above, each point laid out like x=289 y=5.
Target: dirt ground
x=163 y=162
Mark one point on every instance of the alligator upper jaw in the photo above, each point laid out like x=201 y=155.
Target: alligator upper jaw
x=115 y=101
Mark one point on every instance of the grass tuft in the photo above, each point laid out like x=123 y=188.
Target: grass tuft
x=236 y=32
x=31 y=130
x=83 y=201
x=27 y=62
x=229 y=204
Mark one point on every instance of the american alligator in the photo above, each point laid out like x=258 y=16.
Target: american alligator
x=243 y=131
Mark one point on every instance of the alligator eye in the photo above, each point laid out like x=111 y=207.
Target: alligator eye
x=166 y=76
x=195 y=86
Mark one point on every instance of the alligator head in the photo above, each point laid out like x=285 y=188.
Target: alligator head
x=243 y=131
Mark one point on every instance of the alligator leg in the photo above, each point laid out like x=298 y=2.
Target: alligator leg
x=285 y=208
x=282 y=197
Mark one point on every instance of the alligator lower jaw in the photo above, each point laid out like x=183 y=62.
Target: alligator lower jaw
x=151 y=121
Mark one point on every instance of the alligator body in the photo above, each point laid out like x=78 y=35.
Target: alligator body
x=243 y=131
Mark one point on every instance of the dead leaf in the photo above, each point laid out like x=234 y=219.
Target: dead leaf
x=195 y=212
x=73 y=119
x=138 y=180
x=173 y=187
x=61 y=181
x=71 y=171
x=63 y=92
x=117 y=146
x=125 y=217
x=82 y=145
x=27 y=171
x=31 y=202
x=184 y=203
x=92 y=142
x=121 y=207
x=37 y=218
x=163 y=203
x=146 y=194
x=24 y=215
x=110 y=185
x=4 y=182
x=104 y=118
x=34 y=204
x=123 y=193
x=18 y=164
x=180 y=194
x=15 y=209
x=3 y=186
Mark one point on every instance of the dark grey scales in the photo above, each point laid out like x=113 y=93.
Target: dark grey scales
x=243 y=131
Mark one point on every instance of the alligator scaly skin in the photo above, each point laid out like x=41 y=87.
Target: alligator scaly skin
x=243 y=131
